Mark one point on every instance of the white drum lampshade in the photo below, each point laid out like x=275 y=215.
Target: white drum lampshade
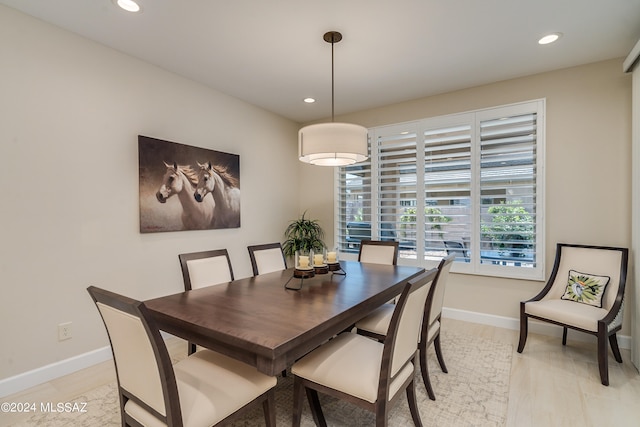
x=332 y=144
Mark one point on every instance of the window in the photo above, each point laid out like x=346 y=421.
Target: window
x=468 y=184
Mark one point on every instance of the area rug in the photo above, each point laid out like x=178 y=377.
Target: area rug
x=474 y=393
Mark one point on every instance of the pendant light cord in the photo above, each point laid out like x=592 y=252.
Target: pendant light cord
x=332 y=84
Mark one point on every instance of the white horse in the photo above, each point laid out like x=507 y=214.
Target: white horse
x=226 y=194
x=182 y=180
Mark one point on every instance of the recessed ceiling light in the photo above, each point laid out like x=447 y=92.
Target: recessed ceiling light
x=549 y=38
x=128 y=5
x=309 y=100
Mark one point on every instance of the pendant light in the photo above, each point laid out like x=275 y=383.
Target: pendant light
x=332 y=144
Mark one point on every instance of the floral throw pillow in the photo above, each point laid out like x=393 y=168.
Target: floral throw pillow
x=585 y=288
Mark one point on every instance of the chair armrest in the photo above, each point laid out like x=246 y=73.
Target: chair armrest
x=552 y=278
x=617 y=307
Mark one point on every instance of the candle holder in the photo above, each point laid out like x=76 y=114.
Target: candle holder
x=303 y=264
x=319 y=262
x=333 y=263
x=303 y=268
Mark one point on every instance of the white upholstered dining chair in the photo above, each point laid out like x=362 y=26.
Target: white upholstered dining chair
x=363 y=371
x=379 y=252
x=267 y=258
x=585 y=292
x=193 y=392
x=206 y=268
x=376 y=324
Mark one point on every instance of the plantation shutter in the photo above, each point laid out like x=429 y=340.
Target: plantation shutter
x=508 y=188
x=397 y=201
x=469 y=184
x=447 y=178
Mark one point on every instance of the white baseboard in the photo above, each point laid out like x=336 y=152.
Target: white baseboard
x=624 y=341
x=55 y=370
x=46 y=373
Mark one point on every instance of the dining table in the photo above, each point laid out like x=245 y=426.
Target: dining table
x=260 y=322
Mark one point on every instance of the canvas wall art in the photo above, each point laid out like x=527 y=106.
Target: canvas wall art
x=187 y=188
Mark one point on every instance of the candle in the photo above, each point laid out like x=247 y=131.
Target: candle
x=331 y=257
x=303 y=261
x=318 y=259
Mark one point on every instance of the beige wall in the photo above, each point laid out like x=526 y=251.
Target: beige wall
x=70 y=113
x=587 y=167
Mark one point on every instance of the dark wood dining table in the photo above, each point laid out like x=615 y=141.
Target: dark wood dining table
x=258 y=321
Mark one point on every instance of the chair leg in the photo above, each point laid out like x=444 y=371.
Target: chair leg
x=524 y=329
x=192 y=349
x=269 y=408
x=564 y=335
x=603 y=363
x=436 y=344
x=425 y=372
x=613 y=340
x=382 y=416
x=413 y=404
x=316 y=410
x=298 y=395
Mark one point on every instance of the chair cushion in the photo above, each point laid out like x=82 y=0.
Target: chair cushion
x=567 y=312
x=137 y=367
x=351 y=364
x=585 y=288
x=378 y=320
x=377 y=254
x=211 y=387
x=268 y=260
x=208 y=271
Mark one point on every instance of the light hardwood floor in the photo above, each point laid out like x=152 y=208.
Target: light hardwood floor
x=550 y=385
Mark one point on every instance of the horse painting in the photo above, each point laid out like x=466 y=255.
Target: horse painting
x=226 y=194
x=183 y=181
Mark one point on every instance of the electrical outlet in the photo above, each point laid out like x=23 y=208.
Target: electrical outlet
x=64 y=331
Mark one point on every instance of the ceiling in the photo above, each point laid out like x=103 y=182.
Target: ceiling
x=272 y=54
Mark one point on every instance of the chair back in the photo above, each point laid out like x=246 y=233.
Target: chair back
x=592 y=260
x=200 y=269
x=403 y=334
x=143 y=366
x=378 y=252
x=267 y=258
x=434 y=306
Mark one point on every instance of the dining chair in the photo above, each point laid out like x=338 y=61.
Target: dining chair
x=585 y=292
x=193 y=392
x=206 y=268
x=267 y=258
x=363 y=371
x=376 y=324
x=379 y=251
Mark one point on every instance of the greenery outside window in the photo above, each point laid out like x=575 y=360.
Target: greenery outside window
x=469 y=184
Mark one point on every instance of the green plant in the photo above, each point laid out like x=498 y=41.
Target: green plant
x=511 y=225
x=303 y=234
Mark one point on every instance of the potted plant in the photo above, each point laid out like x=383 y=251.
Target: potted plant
x=303 y=234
